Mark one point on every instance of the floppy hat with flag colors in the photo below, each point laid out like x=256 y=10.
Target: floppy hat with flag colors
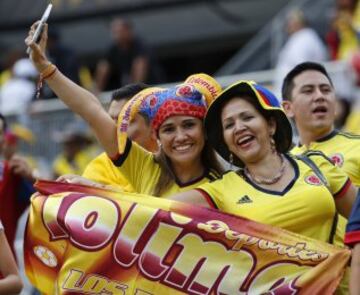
x=265 y=99
x=188 y=99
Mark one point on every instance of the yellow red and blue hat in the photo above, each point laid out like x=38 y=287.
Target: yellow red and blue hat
x=183 y=99
x=191 y=98
x=262 y=97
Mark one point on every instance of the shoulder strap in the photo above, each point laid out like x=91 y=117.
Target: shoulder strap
x=304 y=158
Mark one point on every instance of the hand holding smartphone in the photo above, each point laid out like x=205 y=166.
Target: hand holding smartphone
x=40 y=25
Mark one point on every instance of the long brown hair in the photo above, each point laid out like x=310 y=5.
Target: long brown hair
x=167 y=177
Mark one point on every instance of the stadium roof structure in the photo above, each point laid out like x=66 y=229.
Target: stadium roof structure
x=165 y=24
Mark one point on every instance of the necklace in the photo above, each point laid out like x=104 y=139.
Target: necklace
x=268 y=181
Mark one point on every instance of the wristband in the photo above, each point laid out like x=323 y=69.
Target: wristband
x=46 y=73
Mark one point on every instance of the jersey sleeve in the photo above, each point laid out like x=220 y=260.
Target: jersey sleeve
x=1 y=226
x=213 y=193
x=352 y=235
x=135 y=164
x=338 y=180
x=102 y=170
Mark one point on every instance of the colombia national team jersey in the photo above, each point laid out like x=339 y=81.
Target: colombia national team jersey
x=102 y=170
x=305 y=206
x=141 y=169
x=342 y=148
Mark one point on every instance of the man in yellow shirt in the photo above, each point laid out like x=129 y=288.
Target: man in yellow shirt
x=309 y=99
x=101 y=169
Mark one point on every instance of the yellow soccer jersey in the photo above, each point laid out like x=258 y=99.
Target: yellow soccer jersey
x=352 y=123
x=342 y=148
x=142 y=171
x=305 y=206
x=62 y=166
x=102 y=170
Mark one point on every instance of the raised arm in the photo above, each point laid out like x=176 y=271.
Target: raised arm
x=78 y=99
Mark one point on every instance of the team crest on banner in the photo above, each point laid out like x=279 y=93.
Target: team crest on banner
x=82 y=240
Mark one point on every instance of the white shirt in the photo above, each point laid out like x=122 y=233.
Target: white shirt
x=303 y=45
x=15 y=96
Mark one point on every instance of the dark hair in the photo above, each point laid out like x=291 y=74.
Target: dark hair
x=125 y=21
x=2 y=118
x=167 y=176
x=128 y=91
x=288 y=83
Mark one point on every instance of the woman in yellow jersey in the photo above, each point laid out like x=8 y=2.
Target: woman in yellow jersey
x=10 y=282
x=247 y=127
x=184 y=161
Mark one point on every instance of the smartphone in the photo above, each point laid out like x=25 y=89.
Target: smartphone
x=40 y=25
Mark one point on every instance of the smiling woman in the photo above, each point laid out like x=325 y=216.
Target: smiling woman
x=184 y=161
x=247 y=126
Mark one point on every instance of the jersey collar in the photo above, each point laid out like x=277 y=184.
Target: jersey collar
x=324 y=138
x=273 y=192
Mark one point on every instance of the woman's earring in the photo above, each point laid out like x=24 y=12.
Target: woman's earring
x=272 y=144
x=159 y=144
x=231 y=161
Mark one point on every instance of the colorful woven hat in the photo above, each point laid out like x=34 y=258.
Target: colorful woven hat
x=183 y=99
x=265 y=99
x=191 y=98
x=206 y=84
x=128 y=112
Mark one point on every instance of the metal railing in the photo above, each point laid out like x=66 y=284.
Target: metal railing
x=49 y=116
x=262 y=50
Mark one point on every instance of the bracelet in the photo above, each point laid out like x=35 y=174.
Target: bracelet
x=46 y=73
x=49 y=70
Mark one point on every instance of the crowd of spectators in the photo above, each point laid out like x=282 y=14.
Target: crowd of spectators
x=128 y=60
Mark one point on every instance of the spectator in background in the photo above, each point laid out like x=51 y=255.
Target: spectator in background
x=16 y=178
x=342 y=112
x=19 y=91
x=101 y=169
x=126 y=61
x=342 y=39
x=309 y=99
x=63 y=57
x=77 y=151
x=6 y=67
x=303 y=44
